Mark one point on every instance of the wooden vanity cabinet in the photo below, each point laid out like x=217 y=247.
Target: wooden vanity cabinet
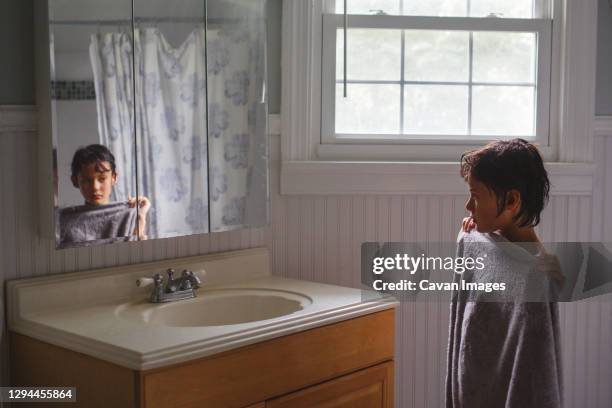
x=344 y=364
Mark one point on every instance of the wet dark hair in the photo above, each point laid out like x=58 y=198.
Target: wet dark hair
x=94 y=153
x=511 y=165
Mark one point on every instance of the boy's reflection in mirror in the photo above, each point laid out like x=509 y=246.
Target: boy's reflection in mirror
x=94 y=173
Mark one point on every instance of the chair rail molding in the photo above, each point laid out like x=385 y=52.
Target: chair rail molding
x=603 y=125
x=18 y=118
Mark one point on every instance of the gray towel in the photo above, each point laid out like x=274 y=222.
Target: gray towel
x=91 y=225
x=502 y=354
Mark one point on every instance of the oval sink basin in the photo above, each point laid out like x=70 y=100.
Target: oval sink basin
x=217 y=307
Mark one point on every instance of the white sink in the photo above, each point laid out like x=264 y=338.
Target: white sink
x=216 y=308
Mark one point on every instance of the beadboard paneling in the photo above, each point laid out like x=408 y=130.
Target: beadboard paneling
x=422 y=328
x=318 y=238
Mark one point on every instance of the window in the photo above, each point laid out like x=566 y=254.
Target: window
x=554 y=72
x=436 y=71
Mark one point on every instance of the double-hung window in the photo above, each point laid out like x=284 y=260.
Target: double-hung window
x=403 y=76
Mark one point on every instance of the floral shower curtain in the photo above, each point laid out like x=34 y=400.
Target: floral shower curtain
x=171 y=124
x=171 y=130
x=237 y=123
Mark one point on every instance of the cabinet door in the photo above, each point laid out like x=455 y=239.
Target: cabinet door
x=369 y=388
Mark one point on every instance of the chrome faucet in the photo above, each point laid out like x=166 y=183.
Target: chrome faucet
x=179 y=288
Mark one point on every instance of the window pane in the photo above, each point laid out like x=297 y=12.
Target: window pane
x=502 y=8
x=437 y=55
x=503 y=110
x=436 y=109
x=504 y=57
x=368 y=109
x=441 y=8
x=372 y=54
x=368 y=6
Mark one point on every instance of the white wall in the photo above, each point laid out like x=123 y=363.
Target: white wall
x=318 y=238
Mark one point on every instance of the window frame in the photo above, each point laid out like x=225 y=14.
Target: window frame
x=388 y=145
x=306 y=168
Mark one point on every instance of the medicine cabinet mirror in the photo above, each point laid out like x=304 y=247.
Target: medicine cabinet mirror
x=158 y=114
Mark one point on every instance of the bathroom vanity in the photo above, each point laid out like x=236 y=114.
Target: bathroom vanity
x=248 y=339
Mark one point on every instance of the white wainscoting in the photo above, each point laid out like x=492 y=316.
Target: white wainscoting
x=319 y=238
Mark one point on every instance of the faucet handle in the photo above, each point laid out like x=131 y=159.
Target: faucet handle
x=193 y=278
x=143 y=282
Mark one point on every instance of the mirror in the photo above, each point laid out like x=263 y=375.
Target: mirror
x=237 y=113
x=159 y=118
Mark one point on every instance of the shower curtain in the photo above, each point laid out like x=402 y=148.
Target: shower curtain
x=172 y=120
x=238 y=122
x=171 y=130
x=170 y=86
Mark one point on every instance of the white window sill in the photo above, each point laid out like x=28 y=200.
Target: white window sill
x=402 y=178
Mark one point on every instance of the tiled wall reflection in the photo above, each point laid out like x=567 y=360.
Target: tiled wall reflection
x=72 y=90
